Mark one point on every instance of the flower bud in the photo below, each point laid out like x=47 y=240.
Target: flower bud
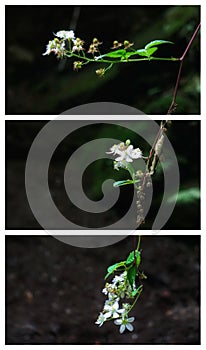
x=100 y=72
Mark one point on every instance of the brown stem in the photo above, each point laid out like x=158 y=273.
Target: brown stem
x=173 y=103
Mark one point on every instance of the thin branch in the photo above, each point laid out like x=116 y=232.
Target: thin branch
x=173 y=103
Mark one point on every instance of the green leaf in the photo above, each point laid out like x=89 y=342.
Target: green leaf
x=157 y=42
x=130 y=258
x=147 y=52
x=113 y=268
x=186 y=196
x=131 y=275
x=116 y=54
x=128 y=54
x=142 y=52
x=124 y=182
x=151 y=51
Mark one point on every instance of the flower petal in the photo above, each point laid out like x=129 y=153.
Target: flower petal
x=122 y=328
x=118 y=322
x=129 y=327
x=108 y=314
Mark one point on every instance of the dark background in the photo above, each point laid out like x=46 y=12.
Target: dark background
x=37 y=84
x=183 y=135
x=54 y=291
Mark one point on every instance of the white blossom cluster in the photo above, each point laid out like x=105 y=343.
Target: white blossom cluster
x=57 y=46
x=115 y=291
x=124 y=153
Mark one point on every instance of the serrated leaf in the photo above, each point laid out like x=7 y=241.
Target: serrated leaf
x=113 y=268
x=130 y=258
x=157 y=42
x=131 y=275
x=116 y=54
x=124 y=182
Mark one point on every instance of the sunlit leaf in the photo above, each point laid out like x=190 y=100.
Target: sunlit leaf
x=130 y=258
x=129 y=54
x=151 y=50
x=142 y=52
x=124 y=182
x=147 y=52
x=116 y=54
x=157 y=42
x=113 y=268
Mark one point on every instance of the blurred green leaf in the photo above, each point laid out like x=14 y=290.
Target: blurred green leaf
x=186 y=196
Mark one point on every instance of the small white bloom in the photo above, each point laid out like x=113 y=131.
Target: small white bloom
x=115 y=149
x=57 y=47
x=105 y=291
x=134 y=153
x=125 y=152
x=118 y=279
x=125 y=323
x=50 y=47
x=112 y=310
x=112 y=297
x=64 y=34
x=101 y=319
x=78 y=45
x=129 y=154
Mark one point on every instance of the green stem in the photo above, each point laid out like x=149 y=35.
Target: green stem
x=123 y=61
x=137 y=297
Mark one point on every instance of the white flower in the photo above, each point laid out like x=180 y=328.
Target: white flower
x=112 y=310
x=78 y=45
x=116 y=149
x=129 y=154
x=64 y=34
x=54 y=46
x=125 y=153
x=118 y=279
x=125 y=323
x=50 y=46
x=105 y=291
x=112 y=297
x=101 y=319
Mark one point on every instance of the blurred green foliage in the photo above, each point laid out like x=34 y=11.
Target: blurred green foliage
x=42 y=85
